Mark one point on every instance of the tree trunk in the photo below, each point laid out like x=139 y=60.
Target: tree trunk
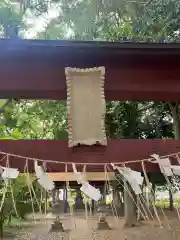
x=153 y=192
x=53 y=193
x=1 y=229
x=45 y=201
x=65 y=200
x=171 y=202
x=174 y=106
x=9 y=219
x=129 y=206
x=93 y=206
x=140 y=210
x=118 y=204
x=57 y=195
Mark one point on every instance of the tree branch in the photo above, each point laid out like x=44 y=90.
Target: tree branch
x=5 y=105
x=147 y=107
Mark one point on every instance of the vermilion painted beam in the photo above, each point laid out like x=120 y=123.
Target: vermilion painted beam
x=116 y=151
x=35 y=69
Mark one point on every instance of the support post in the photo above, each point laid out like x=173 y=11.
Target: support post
x=93 y=206
x=65 y=200
x=79 y=205
x=129 y=206
x=56 y=194
x=53 y=195
x=117 y=203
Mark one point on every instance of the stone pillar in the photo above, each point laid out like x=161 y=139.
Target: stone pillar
x=65 y=200
x=93 y=206
x=103 y=193
x=117 y=203
x=102 y=223
x=53 y=195
x=79 y=205
x=129 y=206
x=56 y=194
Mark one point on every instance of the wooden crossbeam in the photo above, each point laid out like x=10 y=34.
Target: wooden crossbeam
x=35 y=69
x=116 y=151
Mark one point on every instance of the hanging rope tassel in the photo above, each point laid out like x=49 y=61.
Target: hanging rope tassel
x=29 y=189
x=113 y=206
x=85 y=197
x=148 y=185
x=127 y=190
x=70 y=206
x=5 y=187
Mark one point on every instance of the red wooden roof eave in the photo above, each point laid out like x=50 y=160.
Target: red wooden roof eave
x=109 y=95
x=116 y=151
x=84 y=45
x=35 y=69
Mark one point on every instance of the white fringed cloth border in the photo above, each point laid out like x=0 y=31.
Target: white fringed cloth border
x=86 y=106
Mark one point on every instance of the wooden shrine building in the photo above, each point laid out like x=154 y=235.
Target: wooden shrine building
x=35 y=69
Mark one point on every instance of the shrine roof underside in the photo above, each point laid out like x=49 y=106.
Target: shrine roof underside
x=134 y=71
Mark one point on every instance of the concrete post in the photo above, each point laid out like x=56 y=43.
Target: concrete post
x=129 y=206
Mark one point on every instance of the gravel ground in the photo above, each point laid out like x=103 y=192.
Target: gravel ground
x=79 y=228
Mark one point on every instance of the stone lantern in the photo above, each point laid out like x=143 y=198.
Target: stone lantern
x=102 y=224
x=57 y=209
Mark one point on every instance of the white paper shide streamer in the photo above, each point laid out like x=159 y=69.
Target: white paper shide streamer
x=86 y=188
x=132 y=177
x=91 y=191
x=164 y=165
x=9 y=173
x=43 y=178
x=176 y=170
x=79 y=177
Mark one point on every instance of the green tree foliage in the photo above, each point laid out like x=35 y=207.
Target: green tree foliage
x=17 y=198
x=149 y=21
x=34 y=120
x=118 y=20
